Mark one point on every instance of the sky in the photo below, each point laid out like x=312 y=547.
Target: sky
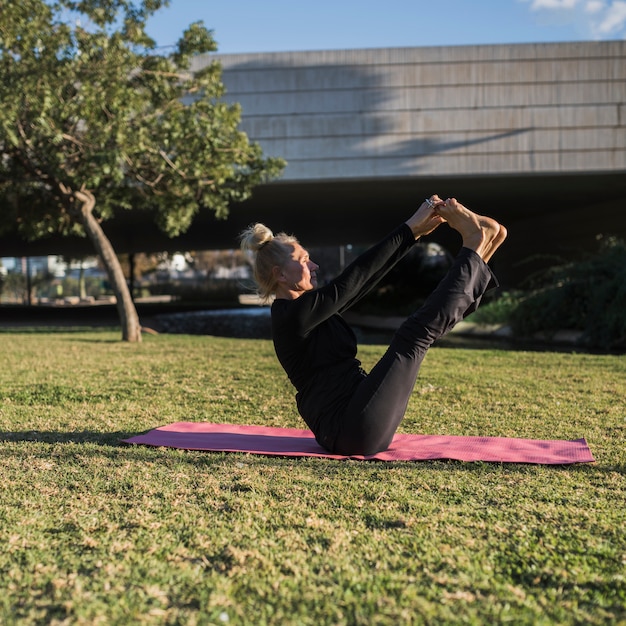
x=292 y=25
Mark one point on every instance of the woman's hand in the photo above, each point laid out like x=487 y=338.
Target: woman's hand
x=426 y=218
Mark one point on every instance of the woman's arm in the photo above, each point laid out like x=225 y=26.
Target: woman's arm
x=356 y=280
x=312 y=308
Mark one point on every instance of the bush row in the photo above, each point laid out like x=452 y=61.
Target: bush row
x=586 y=295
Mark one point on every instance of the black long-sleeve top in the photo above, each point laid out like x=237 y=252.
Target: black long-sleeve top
x=317 y=348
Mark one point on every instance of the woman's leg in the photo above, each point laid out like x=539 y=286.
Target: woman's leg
x=379 y=404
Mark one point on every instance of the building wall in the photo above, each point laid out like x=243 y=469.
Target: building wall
x=407 y=112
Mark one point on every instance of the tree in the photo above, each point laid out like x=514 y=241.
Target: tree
x=94 y=121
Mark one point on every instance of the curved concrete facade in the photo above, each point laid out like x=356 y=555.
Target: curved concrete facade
x=428 y=112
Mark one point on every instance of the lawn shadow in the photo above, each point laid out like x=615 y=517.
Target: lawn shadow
x=84 y=436
x=35 y=329
x=115 y=441
x=116 y=340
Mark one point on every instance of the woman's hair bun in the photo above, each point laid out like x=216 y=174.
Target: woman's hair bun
x=269 y=252
x=255 y=236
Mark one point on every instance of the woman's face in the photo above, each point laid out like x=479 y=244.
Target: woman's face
x=299 y=272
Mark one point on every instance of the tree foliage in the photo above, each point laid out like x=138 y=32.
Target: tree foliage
x=95 y=108
x=94 y=120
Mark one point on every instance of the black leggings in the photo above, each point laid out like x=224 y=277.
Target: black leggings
x=380 y=401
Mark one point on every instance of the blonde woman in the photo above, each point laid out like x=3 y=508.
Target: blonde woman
x=348 y=410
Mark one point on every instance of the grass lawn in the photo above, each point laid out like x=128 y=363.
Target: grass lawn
x=95 y=532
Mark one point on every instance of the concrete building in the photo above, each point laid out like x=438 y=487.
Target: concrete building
x=436 y=113
x=533 y=134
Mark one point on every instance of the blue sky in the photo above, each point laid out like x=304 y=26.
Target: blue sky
x=289 y=25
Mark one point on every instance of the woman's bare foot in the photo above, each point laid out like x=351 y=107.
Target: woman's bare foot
x=481 y=234
x=496 y=243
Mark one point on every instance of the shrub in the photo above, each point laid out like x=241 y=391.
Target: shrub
x=498 y=310
x=587 y=295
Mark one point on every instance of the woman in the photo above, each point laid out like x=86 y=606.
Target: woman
x=351 y=412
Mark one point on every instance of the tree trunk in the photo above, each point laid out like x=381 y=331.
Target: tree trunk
x=131 y=329
x=131 y=275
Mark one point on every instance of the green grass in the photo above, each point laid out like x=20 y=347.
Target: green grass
x=94 y=532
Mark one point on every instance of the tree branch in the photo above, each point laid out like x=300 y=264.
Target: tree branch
x=172 y=164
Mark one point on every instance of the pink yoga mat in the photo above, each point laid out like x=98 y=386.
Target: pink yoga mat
x=294 y=442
